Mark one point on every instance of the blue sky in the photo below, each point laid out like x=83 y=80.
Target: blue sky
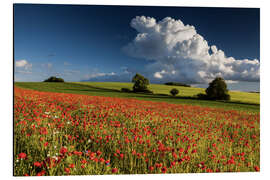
x=97 y=43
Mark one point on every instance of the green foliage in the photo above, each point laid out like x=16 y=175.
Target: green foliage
x=174 y=91
x=201 y=96
x=217 y=90
x=176 y=84
x=140 y=83
x=125 y=90
x=54 y=79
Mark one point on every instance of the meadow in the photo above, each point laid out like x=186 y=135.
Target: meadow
x=100 y=131
x=243 y=101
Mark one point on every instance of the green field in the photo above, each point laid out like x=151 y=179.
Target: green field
x=237 y=96
x=240 y=100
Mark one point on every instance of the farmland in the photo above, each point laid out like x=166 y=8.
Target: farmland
x=79 y=129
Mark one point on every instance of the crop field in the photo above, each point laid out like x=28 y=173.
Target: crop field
x=76 y=134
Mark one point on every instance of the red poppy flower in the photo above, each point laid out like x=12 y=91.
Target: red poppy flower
x=37 y=164
x=151 y=168
x=72 y=165
x=63 y=150
x=83 y=161
x=114 y=170
x=45 y=144
x=257 y=168
x=164 y=169
x=22 y=156
x=67 y=170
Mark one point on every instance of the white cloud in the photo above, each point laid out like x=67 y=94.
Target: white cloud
x=159 y=75
x=97 y=75
x=23 y=64
x=124 y=76
x=184 y=55
x=231 y=82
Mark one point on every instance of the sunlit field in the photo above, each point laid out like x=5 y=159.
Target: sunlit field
x=242 y=101
x=238 y=96
x=76 y=134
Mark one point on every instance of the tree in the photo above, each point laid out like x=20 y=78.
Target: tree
x=217 y=90
x=54 y=79
x=174 y=91
x=140 y=83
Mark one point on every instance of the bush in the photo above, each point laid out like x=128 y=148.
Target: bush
x=217 y=90
x=201 y=96
x=140 y=83
x=174 y=91
x=147 y=91
x=54 y=79
x=177 y=84
x=125 y=90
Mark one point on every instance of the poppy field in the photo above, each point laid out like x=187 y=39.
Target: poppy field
x=70 y=134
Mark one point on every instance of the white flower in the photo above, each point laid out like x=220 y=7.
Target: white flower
x=47 y=112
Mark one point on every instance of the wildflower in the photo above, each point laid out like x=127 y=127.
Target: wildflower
x=121 y=155
x=151 y=168
x=98 y=153
x=63 y=150
x=83 y=161
x=114 y=170
x=37 y=164
x=257 y=168
x=45 y=144
x=41 y=173
x=67 y=170
x=164 y=169
x=22 y=156
x=101 y=160
x=107 y=162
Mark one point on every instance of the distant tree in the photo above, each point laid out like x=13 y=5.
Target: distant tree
x=140 y=83
x=217 y=90
x=176 y=84
x=174 y=91
x=54 y=79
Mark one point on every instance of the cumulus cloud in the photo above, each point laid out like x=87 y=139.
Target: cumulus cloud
x=179 y=53
x=23 y=64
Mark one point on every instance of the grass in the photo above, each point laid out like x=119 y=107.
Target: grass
x=240 y=100
x=244 y=97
